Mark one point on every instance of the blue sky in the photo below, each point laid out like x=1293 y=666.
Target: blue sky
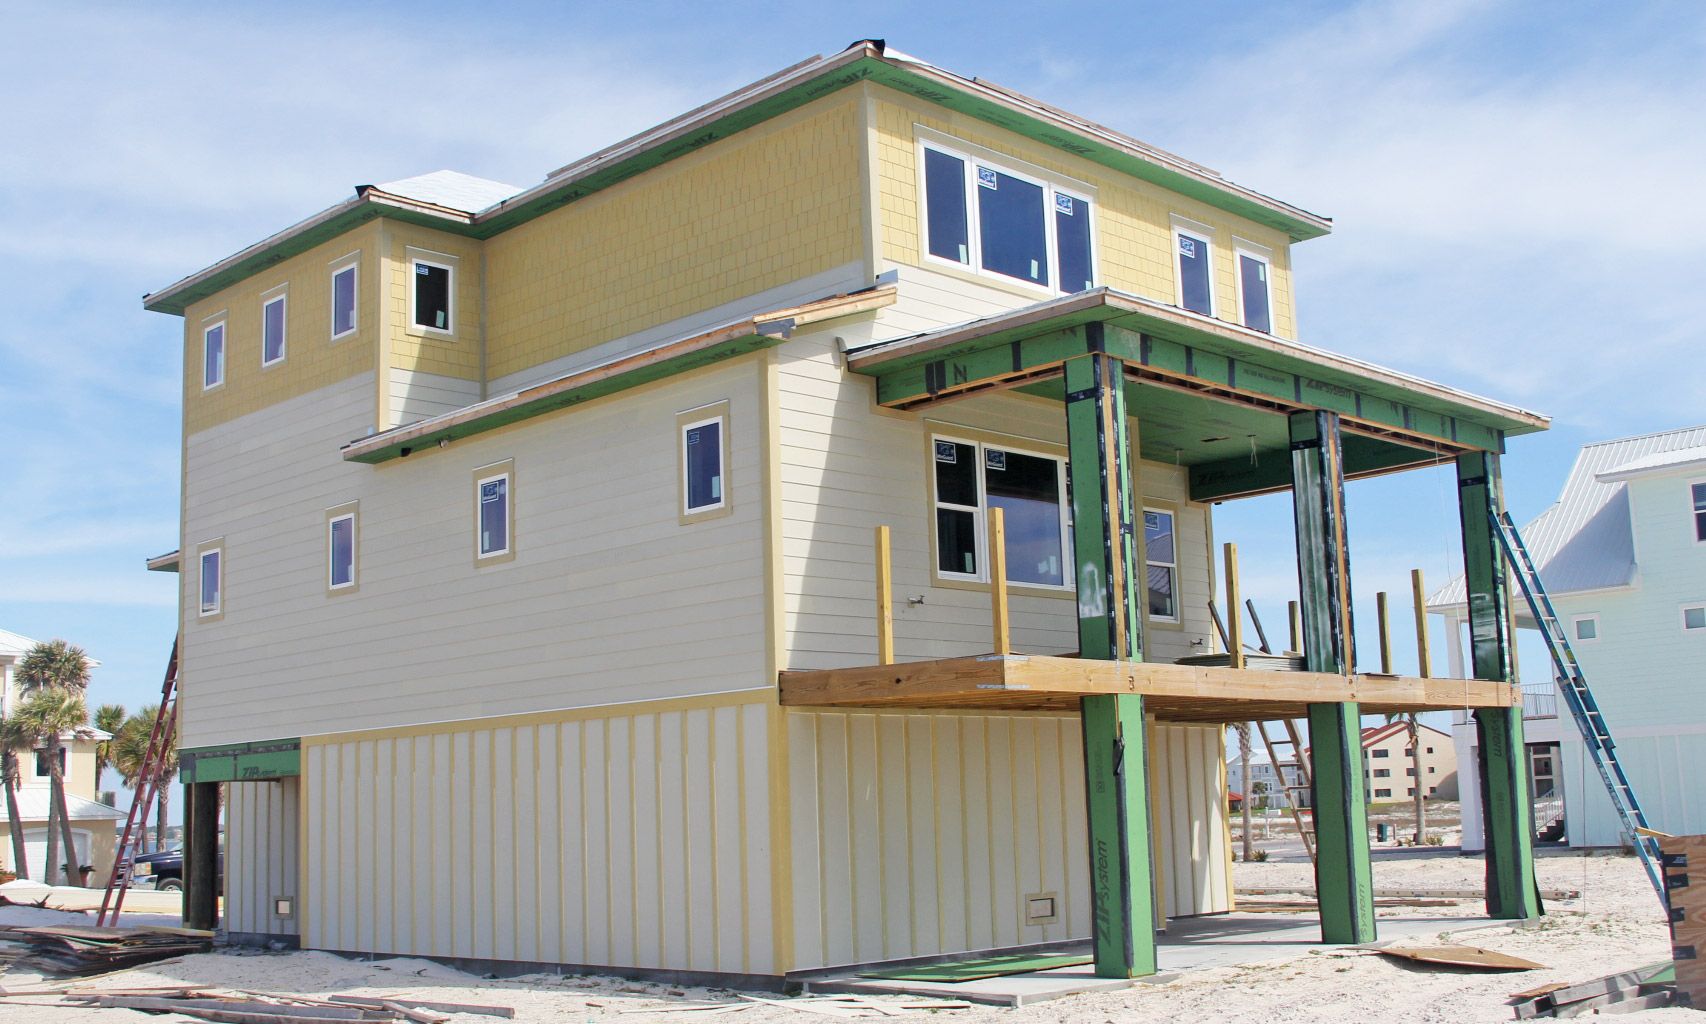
x=1515 y=188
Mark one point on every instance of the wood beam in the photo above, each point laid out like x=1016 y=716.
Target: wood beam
x=201 y=855
x=885 y=598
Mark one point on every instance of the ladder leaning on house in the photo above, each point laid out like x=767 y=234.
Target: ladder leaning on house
x=1290 y=785
x=1574 y=686
x=150 y=778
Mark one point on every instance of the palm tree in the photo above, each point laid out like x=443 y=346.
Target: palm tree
x=14 y=738
x=54 y=676
x=108 y=719
x=130 y=748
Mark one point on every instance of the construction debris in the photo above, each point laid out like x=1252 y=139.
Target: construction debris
x=222 y=1007
x=1400 y=892
x=419 y=1004
x=848 y=1006
x=1685 y=899
x=1461 y=956
x=83 y=949
x=1642 y=989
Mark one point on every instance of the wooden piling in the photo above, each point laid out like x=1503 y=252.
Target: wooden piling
x=998 y=580
x=1424 y=658
x=1385 y=625
x=1234 y=611
x=885 y=600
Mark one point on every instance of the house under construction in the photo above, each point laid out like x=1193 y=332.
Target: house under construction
x=783 y=540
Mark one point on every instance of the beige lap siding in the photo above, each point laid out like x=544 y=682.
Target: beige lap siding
x=618 y=837
x=261 y=856
x=922 y=833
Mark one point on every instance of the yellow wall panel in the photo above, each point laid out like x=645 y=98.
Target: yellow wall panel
x=456 y=354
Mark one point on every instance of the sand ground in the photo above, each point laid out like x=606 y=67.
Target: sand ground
x=1614 y=925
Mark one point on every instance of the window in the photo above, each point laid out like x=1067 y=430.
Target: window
x=702 y=465
x=1253 y=293
x=970 y=479
x=1411 y=772
x=1409 y=751
x=1161 y=564
x=1432 y=770
x=343 y=301
x=1698 y=493
x=1585 y=628
x=211 y=581
x=1694 y=617
x=1383 y=773
x=1379 y=793
x=1381 y=752
x=1410 y=792
x=43 y=769
x=340 y=548
x=492 y=515
x=1430 y=750
x=1432 y=790
x=1196 y=289
x=1019 y=226
x=272 y=331
x=213 y=355
x=431 y=284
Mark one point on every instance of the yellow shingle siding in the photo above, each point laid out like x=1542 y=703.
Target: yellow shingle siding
x=771 y=205
x=1134 y=249
x=312 y=359
x=453 y=355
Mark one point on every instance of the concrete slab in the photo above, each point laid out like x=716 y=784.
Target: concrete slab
x=1189 y=944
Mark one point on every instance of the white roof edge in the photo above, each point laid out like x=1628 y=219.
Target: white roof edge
x=1650 y=465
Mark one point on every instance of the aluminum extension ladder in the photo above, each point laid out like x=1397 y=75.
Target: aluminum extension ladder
x=148 y=783
x=1574 y=686
x=1293 y=739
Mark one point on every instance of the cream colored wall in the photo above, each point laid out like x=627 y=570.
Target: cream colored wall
x=1133 y=218
x=103 y=847
x=631 y=836
x=609 y=597
x=1443 y=761
x=262 y=839
x=921 y=833
x=79 y=769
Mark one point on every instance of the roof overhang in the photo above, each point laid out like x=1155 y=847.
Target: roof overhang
x=791 y=88
x=737 y=338
x=1189 y=374
x=167 y=562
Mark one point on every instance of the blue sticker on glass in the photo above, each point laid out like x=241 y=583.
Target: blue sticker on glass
x=994 y=459
x=986 y=177
x=489 y=491
x=946 y=451
x=422 y=268
x=1063 y=204
x=1187 y=247
x=693 y=437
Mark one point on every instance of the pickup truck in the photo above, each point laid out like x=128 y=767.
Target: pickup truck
x=165 y=869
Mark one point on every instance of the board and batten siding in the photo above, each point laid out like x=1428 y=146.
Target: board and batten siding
x=610 y=598
x=921 y=833
x=625 y=837
x=847 y=467
x=262 y=831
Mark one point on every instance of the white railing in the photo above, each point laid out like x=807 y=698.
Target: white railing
x=1540 y=701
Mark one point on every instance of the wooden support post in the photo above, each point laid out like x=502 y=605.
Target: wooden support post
x=998 y=579
x=1234 y=613
x=1344 y=878
x=1296 y=620
x=201 y=855
x=1384 y=622
x=1115 y=758
x=1506 y=811
x=1424 y=656
x=885 y=599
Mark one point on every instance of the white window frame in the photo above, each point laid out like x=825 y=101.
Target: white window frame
x=449 y=267
x=354 y=551
x=980 y=515
x=1241 y=248
x=1174 y=565
x=508 y=477
x=1682 y=614
x=281 y=296
x=353 y=265
x=1575 y=637
x=224 y=352
x=1695 y=513
x=971 y=158
x=1205 y=235
x=218 y=555
x=688 y=510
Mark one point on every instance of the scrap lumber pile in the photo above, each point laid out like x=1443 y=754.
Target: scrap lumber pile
x=1626 y=992
x=1683 y=860
x=83 y=949
x=851 y=1006
x=237 y=1007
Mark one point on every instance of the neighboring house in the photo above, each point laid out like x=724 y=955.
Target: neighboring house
x=1623 y=554
x=92 y=823
x=529 y=545
x=1391 y=771
x=1265 y=787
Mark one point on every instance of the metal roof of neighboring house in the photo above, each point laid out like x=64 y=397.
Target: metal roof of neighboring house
x=1584 y=541
x=33 y=803
x=14 y=645
x=452 y=190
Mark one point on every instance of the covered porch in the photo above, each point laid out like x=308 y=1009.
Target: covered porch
x=1243 y=413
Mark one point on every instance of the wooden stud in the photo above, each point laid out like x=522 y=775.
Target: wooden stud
x=1256 y=620
x=1234 y=613
x=1294 y=615
x=1424 y=657
x=998 y=579
x=1384 y=624
x=885 y=599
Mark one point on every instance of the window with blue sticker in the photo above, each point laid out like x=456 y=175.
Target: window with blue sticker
x=340 y=545
x=212 y=581
x=702 y=465
x=1196 y=291
x=494 y=518
x=1161 y=564
x=971 y=479
x=998 y=221
x=432 y=285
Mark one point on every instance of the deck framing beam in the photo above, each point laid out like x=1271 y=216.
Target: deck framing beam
x=1506 y=810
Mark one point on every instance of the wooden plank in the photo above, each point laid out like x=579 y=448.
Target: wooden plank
x=1461 y=956
x=1418 y=595
x=998 y=580
x=1383 y=622
x=885 y=598
x=1234 y=613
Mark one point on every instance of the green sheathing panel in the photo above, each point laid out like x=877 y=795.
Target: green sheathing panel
x=241 y=762
x=1121 y=887
x=1104 y=535
x=1344 y=878
x=1506 y=813
x=1343 y=874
